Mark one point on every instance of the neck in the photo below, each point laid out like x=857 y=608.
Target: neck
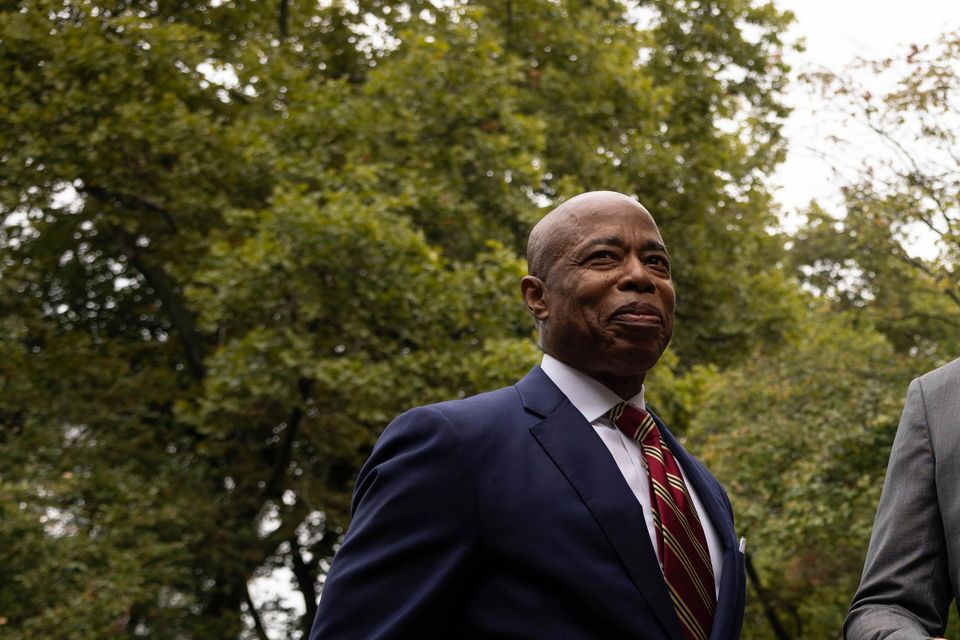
x=626 y=388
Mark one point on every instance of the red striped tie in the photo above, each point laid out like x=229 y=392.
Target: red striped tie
x=683 y=547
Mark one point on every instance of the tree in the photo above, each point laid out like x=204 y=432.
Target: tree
x=802 y=433
x=239 y=237
x=867 y=258
x=801 y=437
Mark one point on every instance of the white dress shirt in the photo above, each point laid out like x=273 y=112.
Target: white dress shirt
x=593 y=399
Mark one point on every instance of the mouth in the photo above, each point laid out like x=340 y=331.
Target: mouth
x=638 y=314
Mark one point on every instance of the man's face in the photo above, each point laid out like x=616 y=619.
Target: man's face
x=608 y=298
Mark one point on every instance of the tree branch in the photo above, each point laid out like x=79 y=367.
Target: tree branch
x=284 y=18
x=156 y=277
x=287 y=529
x=913 y=262
x=930 y=316
x=163 y=285
x=768 y=609
x=257 y=623
x=273 y=484
x=132 y=201
x=306 y=582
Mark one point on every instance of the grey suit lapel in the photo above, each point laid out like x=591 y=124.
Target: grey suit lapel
x=574 y=447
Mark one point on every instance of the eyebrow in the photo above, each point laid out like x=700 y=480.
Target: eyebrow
x=617 y=241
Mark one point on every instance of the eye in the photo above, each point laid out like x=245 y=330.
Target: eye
x=658 y=261
x=602 y=258
x=603 y=254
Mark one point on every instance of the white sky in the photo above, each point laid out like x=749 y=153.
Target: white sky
x=836 y=32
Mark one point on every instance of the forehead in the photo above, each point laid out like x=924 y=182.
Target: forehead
x=620 y=221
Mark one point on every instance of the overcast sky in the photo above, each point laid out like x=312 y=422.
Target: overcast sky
x=836 y=32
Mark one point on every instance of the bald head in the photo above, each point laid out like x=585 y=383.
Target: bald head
x=559 y=227
x=600 y=288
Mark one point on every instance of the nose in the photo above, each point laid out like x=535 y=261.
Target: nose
x=636 y=276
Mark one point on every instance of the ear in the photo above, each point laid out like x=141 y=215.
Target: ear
x=534 y=292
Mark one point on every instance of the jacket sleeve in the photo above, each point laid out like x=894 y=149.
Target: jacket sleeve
x=406 y=557
x=904 y=593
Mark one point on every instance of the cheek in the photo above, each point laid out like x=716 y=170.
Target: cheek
x=594 y=292
x=585 y=319
x=669 y=297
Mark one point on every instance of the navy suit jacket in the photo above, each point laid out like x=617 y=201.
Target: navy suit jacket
x=504 y=516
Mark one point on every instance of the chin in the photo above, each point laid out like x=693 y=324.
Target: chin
x=644 y=354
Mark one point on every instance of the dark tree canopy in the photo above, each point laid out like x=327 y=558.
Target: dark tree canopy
x=239 y=237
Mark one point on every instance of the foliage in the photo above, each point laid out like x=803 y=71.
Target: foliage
x=801 y=436
x=907 y=194
x=239 y=237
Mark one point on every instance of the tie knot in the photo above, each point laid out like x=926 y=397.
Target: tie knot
x=636 y=423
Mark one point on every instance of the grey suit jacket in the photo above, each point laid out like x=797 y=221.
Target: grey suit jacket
x=912 y=571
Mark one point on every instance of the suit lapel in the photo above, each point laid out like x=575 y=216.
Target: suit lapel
x=574 y=447
x=704 y=484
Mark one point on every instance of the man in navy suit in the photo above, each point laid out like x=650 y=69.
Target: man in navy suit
x=525 y=512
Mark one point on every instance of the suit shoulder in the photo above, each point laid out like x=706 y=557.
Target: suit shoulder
x=950 y=371
x=940 y=381
x=481 y=407
x=472 y=408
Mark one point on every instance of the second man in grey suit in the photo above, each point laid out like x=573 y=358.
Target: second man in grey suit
x=912 y=571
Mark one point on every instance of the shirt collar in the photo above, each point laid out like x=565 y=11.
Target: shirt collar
x=590 y=397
